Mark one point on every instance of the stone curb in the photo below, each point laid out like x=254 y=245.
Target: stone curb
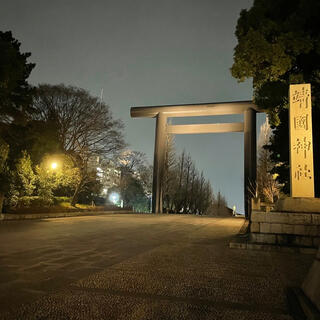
x=29 y=216
x=269 y=247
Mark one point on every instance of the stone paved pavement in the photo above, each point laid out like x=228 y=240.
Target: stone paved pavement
x=140 y=267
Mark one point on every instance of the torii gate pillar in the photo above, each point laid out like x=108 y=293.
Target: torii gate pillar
x=159 y=162
x=250 y=158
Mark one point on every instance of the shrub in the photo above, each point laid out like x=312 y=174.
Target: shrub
x=32 y=201
x=59 y=200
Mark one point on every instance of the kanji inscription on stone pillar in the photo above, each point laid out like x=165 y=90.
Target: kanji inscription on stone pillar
x=301 y=152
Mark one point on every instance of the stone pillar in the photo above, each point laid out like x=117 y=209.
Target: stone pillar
x=250 y=158
x=158 y=163
x=301 y=150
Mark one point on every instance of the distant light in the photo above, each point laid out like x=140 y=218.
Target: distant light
x=114 y=197
x=54 y=165
x=105 y=190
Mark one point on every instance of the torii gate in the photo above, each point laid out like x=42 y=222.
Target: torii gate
x=162 y=113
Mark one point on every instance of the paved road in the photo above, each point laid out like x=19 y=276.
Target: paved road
x=140 y=267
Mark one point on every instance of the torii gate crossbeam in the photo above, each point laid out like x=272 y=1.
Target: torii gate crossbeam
x=162 y=113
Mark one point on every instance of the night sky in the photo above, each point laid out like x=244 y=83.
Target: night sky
x=144 y=52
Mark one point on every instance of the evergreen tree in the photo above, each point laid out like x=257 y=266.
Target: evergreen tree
x=279 y=45
x=15 y=92
x=26 y=178
x=15 y=104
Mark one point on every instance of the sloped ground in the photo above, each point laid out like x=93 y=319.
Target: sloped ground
x=140 y=267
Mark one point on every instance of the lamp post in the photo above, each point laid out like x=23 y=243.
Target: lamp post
x=54 y=165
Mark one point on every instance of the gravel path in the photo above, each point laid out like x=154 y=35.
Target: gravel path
x=125 y=266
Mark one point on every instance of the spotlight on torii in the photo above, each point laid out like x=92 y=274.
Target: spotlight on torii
x=248 y=127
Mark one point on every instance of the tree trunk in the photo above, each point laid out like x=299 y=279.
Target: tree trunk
x=186 y=196
x=75 y=194
x=1 y=201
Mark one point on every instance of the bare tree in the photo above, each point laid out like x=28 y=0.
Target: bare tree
x=220 y=205
x=185 y=191
x=268 y=188
x=200 y=195
x=179 y=190
x=135 y=168
x=132 y=161
x=208 y=198
x=187 y=171
x=169 y=178
x=85 y=124
x=193 y=186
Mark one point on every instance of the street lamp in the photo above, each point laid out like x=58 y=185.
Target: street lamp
x=54 y=165
x=114 y=197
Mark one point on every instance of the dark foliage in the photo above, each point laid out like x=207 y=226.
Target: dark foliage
x=279 y=45
x=15 y=92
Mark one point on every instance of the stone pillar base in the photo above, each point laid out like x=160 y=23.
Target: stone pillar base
x=290 y=204
x=286 y=228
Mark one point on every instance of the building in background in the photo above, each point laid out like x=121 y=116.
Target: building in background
x=107 y=172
